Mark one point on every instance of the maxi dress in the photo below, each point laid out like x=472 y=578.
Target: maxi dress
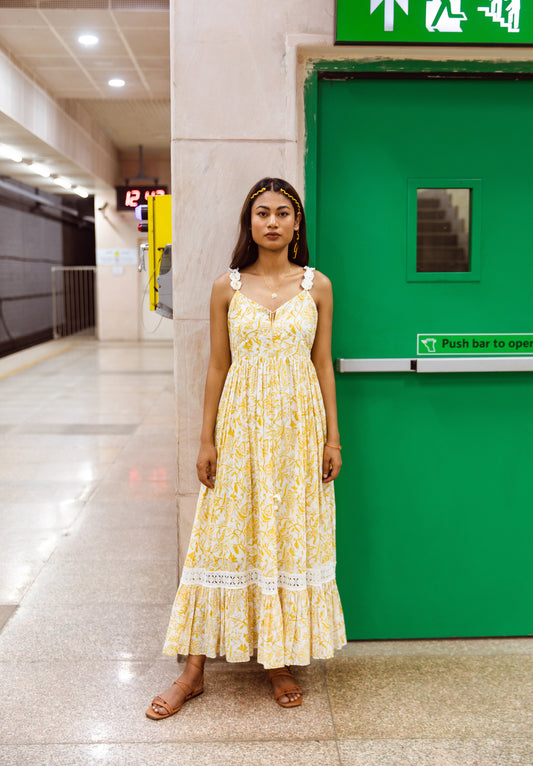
x=260 y=568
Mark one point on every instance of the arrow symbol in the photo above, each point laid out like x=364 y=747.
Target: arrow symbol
x=389 y=11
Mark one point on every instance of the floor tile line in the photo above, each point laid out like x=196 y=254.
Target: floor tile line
x=325 y=674
x=11 y=609
x=138 y=660
x=458 y=738
x=170 y=741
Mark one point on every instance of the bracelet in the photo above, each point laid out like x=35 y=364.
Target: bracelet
x=335 y=446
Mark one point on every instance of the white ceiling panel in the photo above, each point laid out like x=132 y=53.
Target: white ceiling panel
x=131 y=123
x=159 y=62
x=128 y=73
x=113 y=63
x=158 y=82
x=21 y=17
x=38 y=60
x=109 y=44
x=133 y=44
x=148 y=42
x=26 y=41
x=74 y=90
x=63 y=18
x=142 y=19
x=64 y=78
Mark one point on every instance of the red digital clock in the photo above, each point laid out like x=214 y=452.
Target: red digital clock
x=128 y=197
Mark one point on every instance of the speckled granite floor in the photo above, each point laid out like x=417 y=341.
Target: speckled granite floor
x=87 y=578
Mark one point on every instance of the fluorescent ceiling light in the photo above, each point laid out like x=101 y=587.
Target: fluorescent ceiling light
x=42 y=170
x=60 y=181
x=80 y=191
x=10 y=153
x=88 y=39
x=116 y=82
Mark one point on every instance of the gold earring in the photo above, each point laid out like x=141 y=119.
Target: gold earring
x=295 y=252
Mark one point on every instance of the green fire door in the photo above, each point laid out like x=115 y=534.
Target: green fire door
x=424 y=199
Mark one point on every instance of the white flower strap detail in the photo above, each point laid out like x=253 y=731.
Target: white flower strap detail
x=309 y=273
x=235 y=279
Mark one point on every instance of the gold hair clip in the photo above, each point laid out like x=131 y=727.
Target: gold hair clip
x=259 y=191
x=286 y=193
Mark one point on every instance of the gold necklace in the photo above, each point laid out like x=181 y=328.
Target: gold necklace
x=274 y=294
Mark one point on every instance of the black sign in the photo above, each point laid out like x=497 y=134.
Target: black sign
x=128 y=197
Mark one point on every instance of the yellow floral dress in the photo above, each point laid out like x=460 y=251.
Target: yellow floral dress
x=260 y=569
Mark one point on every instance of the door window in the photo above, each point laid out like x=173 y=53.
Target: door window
x=442 y=242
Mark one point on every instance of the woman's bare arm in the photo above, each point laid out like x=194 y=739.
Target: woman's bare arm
x=217 y=370
x=321 y=358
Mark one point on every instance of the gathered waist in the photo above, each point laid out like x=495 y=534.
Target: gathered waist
x=278 y=358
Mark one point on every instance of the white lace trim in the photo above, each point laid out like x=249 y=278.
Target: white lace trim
x=309 y=274
x=235 y=279
x=269 y=585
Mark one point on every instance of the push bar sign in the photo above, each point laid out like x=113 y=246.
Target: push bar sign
x=510 y=344
x=438 y=22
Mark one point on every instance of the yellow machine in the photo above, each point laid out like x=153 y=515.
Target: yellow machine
x=156 y=221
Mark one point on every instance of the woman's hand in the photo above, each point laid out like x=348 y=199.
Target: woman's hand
x=331 y=464
x=206 y=465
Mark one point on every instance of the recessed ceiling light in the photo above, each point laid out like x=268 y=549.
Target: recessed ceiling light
x=64 y=182
x=10 y=153
x=88 y=39
x=117 y=82
x=42 y=170
x=80 y=191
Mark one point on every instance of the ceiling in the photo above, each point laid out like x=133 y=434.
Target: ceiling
x=41 y=37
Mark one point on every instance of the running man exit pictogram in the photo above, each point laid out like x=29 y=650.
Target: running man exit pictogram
x=444 y=16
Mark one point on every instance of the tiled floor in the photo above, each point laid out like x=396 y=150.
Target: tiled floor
x=87 y=578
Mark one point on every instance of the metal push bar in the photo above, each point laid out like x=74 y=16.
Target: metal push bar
x=438 y=364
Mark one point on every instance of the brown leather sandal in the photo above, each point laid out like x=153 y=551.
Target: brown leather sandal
x=290 y=689
x=161 y=702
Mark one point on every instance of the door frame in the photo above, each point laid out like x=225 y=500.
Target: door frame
x=380 y=69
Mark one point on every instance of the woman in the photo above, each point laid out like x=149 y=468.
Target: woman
x=260 y=570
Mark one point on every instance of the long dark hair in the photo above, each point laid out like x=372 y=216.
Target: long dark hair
x=245 y=252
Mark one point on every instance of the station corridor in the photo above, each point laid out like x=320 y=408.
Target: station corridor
x=88 y=576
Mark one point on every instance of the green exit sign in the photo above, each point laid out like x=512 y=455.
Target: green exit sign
x=437 y=22
x=446 y=344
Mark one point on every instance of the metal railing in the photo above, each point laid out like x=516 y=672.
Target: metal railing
x=74 y=300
